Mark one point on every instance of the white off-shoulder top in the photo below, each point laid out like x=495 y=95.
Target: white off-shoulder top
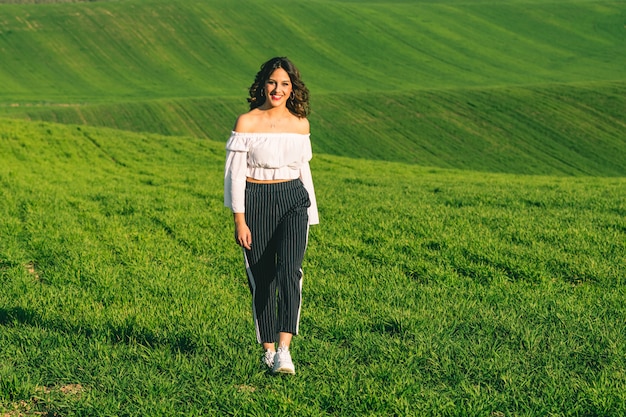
x=267 y=156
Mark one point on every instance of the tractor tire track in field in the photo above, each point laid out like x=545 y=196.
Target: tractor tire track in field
x=101 y=149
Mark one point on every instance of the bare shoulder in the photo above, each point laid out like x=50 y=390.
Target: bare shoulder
x=247 y=122
x=301 y=125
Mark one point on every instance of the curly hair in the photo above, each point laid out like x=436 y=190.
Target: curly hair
x=298 y=103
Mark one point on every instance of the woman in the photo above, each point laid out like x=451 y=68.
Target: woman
x=269 y=188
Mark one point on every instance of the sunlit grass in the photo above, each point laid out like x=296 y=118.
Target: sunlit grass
x=427 y=291
x=445 y=281
x=514 y=87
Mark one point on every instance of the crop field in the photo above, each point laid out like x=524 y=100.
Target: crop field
x=464 y=74
x=470 y=169
x=427 y=292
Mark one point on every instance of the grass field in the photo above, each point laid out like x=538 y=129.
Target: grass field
x=432 y=83
x=427 y=292
x=470 y=173
x=137 y=50
x=571 y=130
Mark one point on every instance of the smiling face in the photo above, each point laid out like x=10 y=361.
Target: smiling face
x=278 y=88
x=278 y=85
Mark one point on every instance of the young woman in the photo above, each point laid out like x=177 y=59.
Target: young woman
x=269 y=188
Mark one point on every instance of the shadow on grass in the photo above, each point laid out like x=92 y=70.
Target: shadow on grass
x=128 y=332
x=13 y=315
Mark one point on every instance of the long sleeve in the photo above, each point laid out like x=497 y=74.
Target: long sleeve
x=235 y=175
x=307 y=180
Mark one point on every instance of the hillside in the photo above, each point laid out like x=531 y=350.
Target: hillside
x=519 y=86
x=137 y=50
x=441 y=281
x=551 y=130
x=426 y=292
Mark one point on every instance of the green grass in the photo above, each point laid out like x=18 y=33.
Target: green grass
x=444 y=280
x=137 y=50
x=554 y=130
x=517 y=87
x=427 y=291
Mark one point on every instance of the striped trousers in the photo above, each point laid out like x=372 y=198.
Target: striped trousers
x=278 y=220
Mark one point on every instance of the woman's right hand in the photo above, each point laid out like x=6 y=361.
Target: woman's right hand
x=242 y=232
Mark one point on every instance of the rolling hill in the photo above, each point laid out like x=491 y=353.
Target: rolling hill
x=440 y=281
x=518 y=86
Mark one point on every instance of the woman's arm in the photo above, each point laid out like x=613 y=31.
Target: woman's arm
x=242 y=231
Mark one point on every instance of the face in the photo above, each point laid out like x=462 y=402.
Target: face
x=278 y=88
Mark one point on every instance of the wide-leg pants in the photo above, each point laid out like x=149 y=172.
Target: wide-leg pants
x=277 y=217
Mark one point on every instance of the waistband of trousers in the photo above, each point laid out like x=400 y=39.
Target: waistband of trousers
x=274 y=187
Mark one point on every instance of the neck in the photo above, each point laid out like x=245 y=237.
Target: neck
x=275 y=111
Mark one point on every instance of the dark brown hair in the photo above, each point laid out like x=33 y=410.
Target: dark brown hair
x=297 y=103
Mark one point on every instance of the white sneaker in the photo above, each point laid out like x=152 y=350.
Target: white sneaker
x=282 y=362
x=268 y=358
